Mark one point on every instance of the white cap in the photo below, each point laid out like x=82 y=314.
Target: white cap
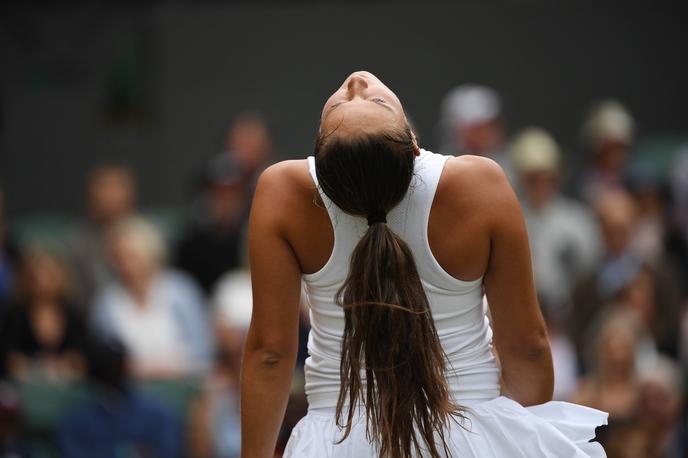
x=534 y=149
x=470 y=104
x=608 y=120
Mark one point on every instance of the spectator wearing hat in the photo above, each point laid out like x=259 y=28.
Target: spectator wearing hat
x=563 y=233
x=608 y=137
x=471 y=123
x=563 y=241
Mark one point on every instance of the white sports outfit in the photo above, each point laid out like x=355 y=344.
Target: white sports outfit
x=496 y=426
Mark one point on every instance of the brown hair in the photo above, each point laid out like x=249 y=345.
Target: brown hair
x=389 y=331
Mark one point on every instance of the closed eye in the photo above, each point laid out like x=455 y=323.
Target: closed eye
x=333 y=106
x=377 y=100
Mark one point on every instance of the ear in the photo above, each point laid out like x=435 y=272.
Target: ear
x=416 y=148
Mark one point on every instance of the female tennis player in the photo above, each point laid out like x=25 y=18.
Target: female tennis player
x=397 y=247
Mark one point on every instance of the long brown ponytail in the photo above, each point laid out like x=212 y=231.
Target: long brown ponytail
x=389 y=332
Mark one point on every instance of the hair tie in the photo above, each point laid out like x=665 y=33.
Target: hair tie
x=378 y=216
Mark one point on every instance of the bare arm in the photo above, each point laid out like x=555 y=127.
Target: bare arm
x=271 y=343
x=520 y=334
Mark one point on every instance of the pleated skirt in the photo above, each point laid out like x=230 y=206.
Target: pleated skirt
x=496 y=428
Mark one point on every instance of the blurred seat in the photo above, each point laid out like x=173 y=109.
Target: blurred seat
x=655 y=153
x=43 y=403
x=175 y=394
x=40 y=227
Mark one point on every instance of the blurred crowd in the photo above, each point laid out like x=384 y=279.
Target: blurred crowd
x=118 y=339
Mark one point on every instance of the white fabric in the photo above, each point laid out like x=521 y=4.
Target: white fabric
x=150 y=332
x=460 y=316
x=564 y=245
x=232 y=299
x=498 y=428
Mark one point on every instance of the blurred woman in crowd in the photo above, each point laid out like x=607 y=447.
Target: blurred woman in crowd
x=157 y=313
x=41 y=334
x=662 y=393
x=614 y=352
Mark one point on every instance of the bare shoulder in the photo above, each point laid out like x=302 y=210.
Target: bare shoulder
x=474 y=180
x=287 y=173
x=284 y=182
x=474 y=171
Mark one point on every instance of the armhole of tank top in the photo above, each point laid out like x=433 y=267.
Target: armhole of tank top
x=328 y=207
x=436 y=266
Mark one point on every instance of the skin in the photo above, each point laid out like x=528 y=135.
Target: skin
x=111 y=195
x=249 y=141
x=475 y=228
x=540 y=186
x=136 y=270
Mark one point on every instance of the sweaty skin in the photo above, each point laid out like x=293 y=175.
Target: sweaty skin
x=475 y=228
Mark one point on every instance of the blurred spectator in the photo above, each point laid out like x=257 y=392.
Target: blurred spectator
x=158 y=314
x=679 y=187
x=213 y=241
x=249 y=141
x=111 y=197
x=11 y=443
x=212 y=244
x=608 y=136
x=7 y=256
x=616 y=341
x=624 y=277
x=661 y=397
x=563 y=235
x=217 y=414
x=564 y=356
x=683 y=339
x=119 y=421
x=677 y=233
x=42 y=336
x=215 y=422
x=232 y=302
x=471 y=123
x=651 y=201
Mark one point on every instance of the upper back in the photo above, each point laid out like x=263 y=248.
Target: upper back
x=446 y=209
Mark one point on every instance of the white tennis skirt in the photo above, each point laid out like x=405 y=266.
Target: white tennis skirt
x=498 y=427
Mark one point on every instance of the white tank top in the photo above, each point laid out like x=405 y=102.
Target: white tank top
x=457 y=306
